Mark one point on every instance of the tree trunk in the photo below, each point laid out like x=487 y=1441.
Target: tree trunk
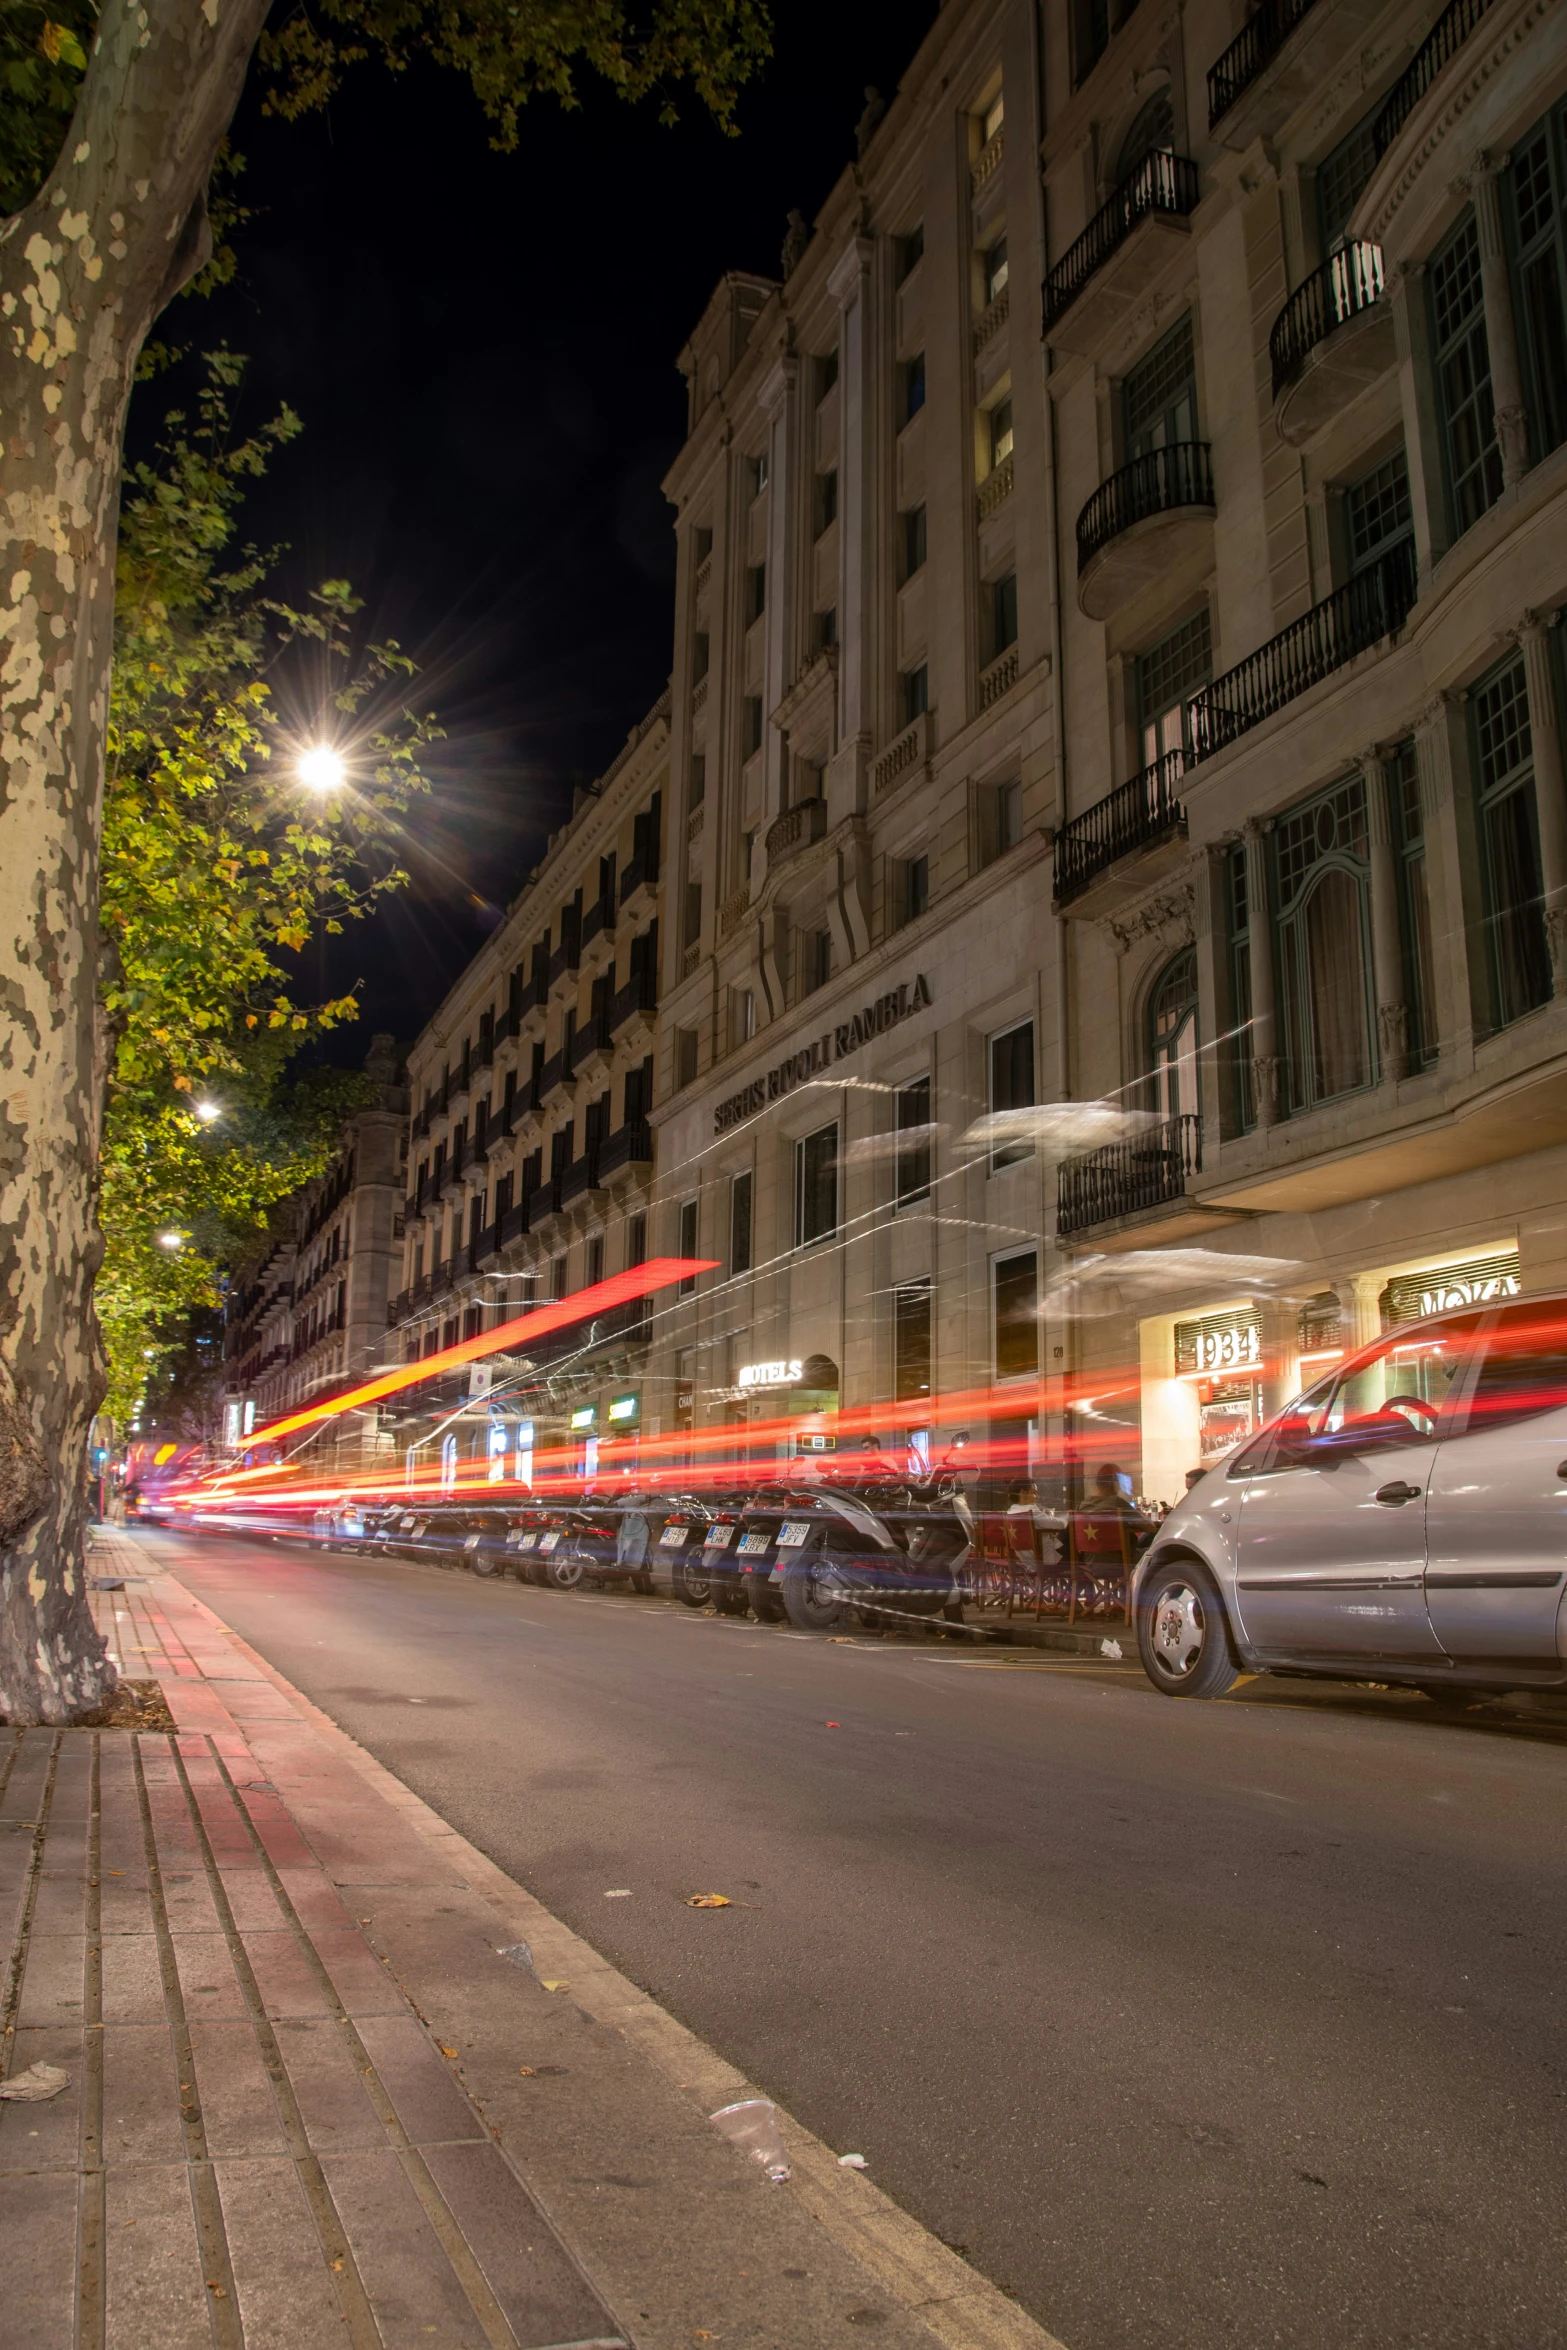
x=84 y=271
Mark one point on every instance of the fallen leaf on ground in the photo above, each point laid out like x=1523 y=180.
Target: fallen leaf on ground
x=526 y=2071
x=37 y=2083
x=445 y=2051
x=707 y=1901
x=560 y=1984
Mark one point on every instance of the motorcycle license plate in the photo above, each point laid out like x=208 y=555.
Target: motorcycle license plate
x=526 y=1541
x=718 y=1538
x=473 y=1542
x=793 y=1532
x=672 y=1537
x=752 y=1544
x=548 y=1541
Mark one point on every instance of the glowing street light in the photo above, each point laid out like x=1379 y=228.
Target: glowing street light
x=207 y=1111
x=171 y=1240
x=322 y=769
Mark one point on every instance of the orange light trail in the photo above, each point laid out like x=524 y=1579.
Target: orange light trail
x=618 y=1290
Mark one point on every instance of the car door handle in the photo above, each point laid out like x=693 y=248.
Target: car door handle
x=1397 y=1493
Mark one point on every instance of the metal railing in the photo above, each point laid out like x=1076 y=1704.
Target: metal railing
x=1446 y=37
x=580 y=1177
x=1131 y=817
x=1162 y=182
x=630 y=1145
x=640 y=994
x=545 y=1201
x=1158 y=482
x=1251 y=53
x=1349 y=283
x=1124 y=1178
x=1355 y=617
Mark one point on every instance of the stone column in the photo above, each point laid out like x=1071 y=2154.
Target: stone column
x=1501 y=334
x=1280 y=1340
x=780 y=404
x=1264 y=1013
x=1550 y=787
x=1360 y=1320
x=849 y=285
x=1207 y=936
x=1422 y=423
x=1387 y=949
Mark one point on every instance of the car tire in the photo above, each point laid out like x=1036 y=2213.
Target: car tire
x=811 y=1603
x=642 y=1581
x=692 y=1583
x=1183 y=1639
x=564 y=1574
x=766 y=1601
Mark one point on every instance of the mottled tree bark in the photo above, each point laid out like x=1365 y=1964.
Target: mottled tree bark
x=84 y=271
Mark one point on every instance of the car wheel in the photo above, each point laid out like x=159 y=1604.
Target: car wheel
x=642 y=1581
x=483 y=1563
x=1182 y=1637
x=692 y=1583
x=812 y=1599
x=766 y=1601
x=564 y=1574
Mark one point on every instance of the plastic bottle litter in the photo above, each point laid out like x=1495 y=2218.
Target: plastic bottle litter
x=752 y=2125
x=852 y=2162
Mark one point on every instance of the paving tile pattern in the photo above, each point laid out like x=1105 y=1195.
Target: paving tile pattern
x=261 y=2144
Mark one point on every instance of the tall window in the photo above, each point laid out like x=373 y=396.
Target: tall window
x=826 y=499
x=755 y=592
x=912 y=1181
x=911 y=250
x=1341 y=175
x=1538 y=181
x=1011 y=1071
x=815 y=960
x=1463 y=373
x=1321 y=868
x=1159 y=396
x=1407 y=813
x=913 y=388
x=688 y=1241
x=911 y=1341
x=1172 y=1037
x=1168 y=675
x=1243 y=1106
x=1152 y=133
x=750 y=725
x=816 y=1186
x=999 y=816
x=914 y=693
x=1377 y=512
x=740 y=1223
x=913 y=888
x=913 y=541
x=1000 y=433
x=1015 y=1282
x=1510 y=845
x=996 y=271
x=595 y=1259
x=1003 y=615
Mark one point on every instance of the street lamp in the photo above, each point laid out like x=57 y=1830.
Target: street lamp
x=207 y=1111
x=171 y=1240
x=322 y=769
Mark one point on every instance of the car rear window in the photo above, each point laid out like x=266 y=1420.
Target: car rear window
x=1523 y=1367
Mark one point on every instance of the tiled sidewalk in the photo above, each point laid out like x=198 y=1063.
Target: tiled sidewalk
x=312 y=2103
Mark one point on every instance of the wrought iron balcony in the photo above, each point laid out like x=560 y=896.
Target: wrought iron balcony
x=1251 y=53
x=1162 y=183
x=513 y=1224
x=630 y=1145
x=1443 y=42
x=581 y=1177
x=545 y=1201
x=640 y=994
x=1348 y=284
x=1355 y=617
x=1127 y=1178
x=1181 y=474
x=1134 y=816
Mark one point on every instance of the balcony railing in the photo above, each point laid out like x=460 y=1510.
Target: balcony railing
x=1158 y=482
x=1251 y=53
x=1446 y=37
x=1124 y=1178
x=796 y=828
x=1132 y=817
x=1355 y=617
x=630 y=1145
x=1162 y=182
x=643 y=868
x=1346 y=286
x=580 y=1177
x=600 y=917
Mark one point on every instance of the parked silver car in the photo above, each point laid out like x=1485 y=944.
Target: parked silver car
x=1405 y=1520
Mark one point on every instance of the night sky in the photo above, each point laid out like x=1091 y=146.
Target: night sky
x=482 y=348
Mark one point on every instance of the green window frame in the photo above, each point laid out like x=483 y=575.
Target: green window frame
x=1322 y=932
x=1168 y=675
x=1536 y=215
x=1377 y=512
x=1406 y=811
x=1463 y=377
x=1514 y=891
x=1341 y=175
x=1159 y=395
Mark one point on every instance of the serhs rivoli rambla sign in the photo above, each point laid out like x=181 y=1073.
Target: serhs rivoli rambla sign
x=834 y=1044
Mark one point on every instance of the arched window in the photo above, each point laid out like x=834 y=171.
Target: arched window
x=1152 y=132
x=1172 y=1036
x=1322 y=875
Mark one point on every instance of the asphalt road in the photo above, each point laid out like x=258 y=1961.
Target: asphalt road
x=1190 y=2024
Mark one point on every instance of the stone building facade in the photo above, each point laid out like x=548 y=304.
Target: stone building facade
x=1308 y=393
x=530 y=1151
x=861 y=985
x=310 y=1314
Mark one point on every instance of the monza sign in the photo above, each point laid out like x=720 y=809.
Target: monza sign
x=834 y=1044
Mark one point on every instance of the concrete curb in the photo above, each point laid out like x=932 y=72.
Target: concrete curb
x=913 y=2268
